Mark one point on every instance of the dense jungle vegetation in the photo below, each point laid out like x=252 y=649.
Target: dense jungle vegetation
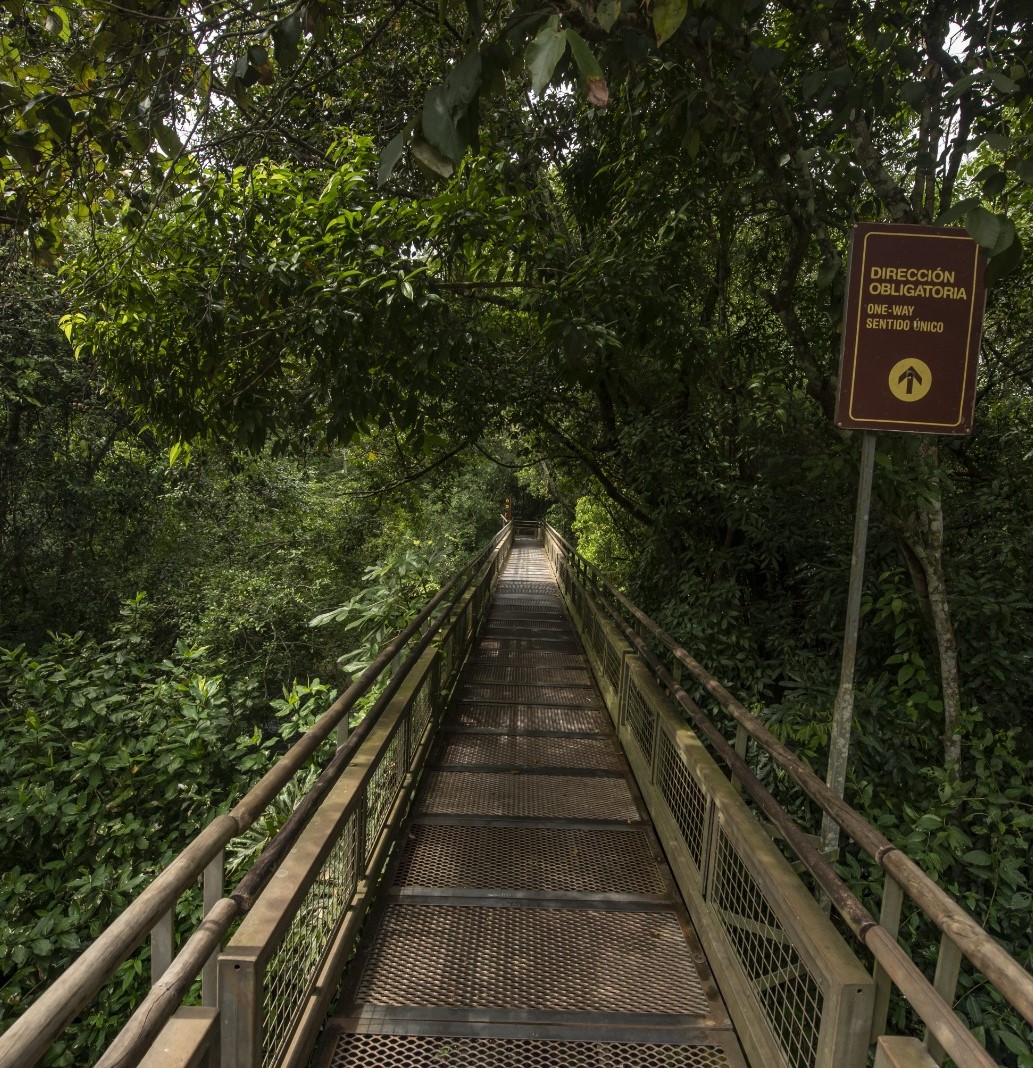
x=294 y=296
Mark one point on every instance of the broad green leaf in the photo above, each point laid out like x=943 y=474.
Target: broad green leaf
x=1024 y=168
x=977 y=857
x=583 y=56
x=1006 y=238
x=169 y=140
x=439 y=127
x=475 y=17
x=463 y=82
x=999 y=142
x=544 y=52
x=390 y=157
x=984 y=226
x=607 y=13
x=668 y=15
x=1003 y=263
x=958 y=210
x=59 y=24
x=765 y=60
x=966 y=81
x=57 y=113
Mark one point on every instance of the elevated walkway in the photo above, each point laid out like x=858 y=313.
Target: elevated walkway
x=548 y=843
x=530 y=919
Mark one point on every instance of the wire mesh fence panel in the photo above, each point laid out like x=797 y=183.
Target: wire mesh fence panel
x=291 y=970
x=775 y=970
x=683 y=796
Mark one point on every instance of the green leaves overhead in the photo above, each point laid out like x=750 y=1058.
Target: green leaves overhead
x=445 y=120
x=607 y=13
x=57 y=112
x=320 y=312
x=986 y=228
x=549 y=47
x=997 y=236
x=439 y=125
x=764 y=60
x=668 y=15
x=390 y=157
x=595 y=83
x=58 y=23
x=544 y=52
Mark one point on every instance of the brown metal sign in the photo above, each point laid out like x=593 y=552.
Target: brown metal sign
x=914 y=315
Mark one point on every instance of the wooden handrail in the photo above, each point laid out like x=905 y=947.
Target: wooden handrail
x=28 y=1038
x=1006 y=975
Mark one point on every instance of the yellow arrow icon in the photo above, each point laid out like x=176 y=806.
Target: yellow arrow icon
x=910 y=379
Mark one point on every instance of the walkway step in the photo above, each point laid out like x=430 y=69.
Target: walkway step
x=531 y=920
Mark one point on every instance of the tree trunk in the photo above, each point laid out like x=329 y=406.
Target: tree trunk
x=922 y=532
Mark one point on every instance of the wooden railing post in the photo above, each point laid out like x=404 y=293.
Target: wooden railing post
x=214 y=882
x=948 y=966
x=889 y=918
x=240 y=1001
x=163 y=935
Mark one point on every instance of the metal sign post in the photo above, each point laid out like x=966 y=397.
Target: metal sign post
x=843 y=711
x=914 y=315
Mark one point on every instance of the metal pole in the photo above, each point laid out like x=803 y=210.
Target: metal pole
x=842 y=714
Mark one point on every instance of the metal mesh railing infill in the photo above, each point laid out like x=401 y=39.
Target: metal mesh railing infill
x=737 y=854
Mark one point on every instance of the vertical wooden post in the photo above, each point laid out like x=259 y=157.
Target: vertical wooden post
x=213 y=885
x=889 y=918
x=741 y=740
x=948 y=965
x=240 y=1010
x=163 y=935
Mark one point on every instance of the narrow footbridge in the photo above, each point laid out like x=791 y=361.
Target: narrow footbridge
x=553 y=841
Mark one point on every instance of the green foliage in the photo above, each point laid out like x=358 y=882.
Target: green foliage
x=391 y=596
x=112 y=763
x=599 y=540
x=970 y=833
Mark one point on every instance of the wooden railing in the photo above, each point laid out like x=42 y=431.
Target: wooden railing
x=326 y=856
x=631 y=654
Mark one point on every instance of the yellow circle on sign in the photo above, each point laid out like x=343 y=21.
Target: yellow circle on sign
x=910 y=380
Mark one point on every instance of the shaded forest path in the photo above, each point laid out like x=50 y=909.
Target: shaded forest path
x=530 y=918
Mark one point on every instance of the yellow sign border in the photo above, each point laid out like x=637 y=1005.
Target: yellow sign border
x=968 y=339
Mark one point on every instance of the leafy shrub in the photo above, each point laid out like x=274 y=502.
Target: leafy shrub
x=970 y=832
x=392 y=594
x=112 y=763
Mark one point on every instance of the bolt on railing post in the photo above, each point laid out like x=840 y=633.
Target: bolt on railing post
x=163 y=936
x=948 y=965
x=212 y=888
x=889 y=919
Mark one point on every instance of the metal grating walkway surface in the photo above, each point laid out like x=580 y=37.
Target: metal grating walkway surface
x=531 y=920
